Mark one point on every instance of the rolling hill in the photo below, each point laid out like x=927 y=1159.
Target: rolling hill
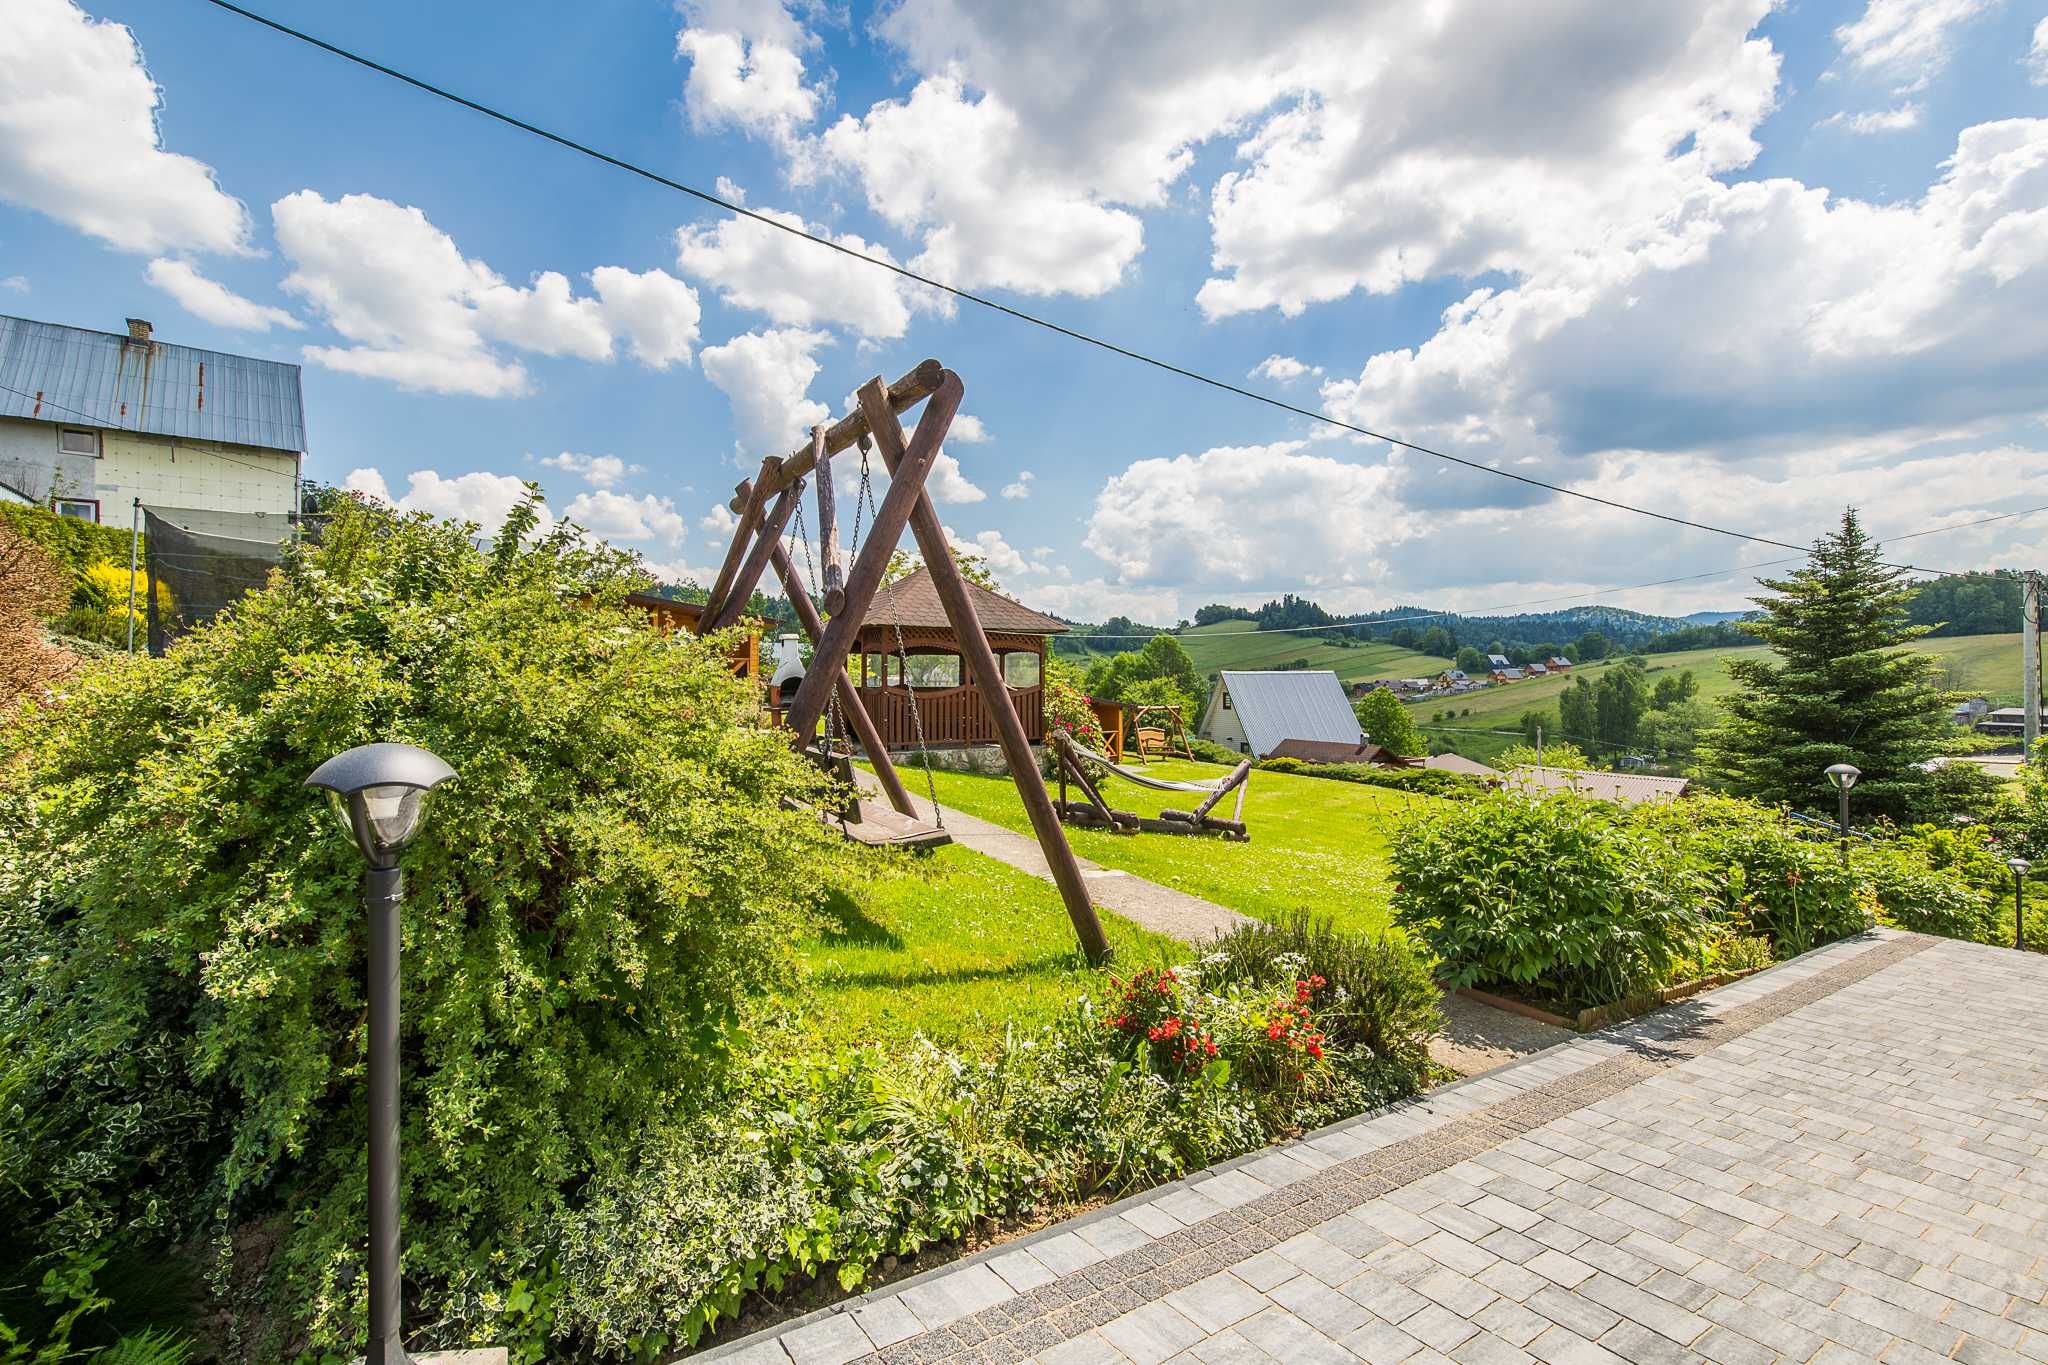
x=1236 y=644
x=1983 y=665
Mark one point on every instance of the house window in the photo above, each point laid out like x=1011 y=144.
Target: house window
x=1226 y=701
x=85 y=509
x=78 y=441
x=1020 y=669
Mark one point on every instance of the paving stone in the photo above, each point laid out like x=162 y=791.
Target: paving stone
x=1830 y=1161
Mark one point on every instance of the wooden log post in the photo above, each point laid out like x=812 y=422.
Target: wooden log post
x=1237 y=775
x=904 y=468
x=769 y=539
x=1070 y=763
x=905 y=495
x=849 y=700
x=829 y=570
x=747 y=507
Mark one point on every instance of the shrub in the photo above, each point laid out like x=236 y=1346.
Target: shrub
x=181 y=946
x=99 y=604
x=1066 y=705
x=76 y=545
x=1556 y=895
x=1423 y=781
x=1210 y=752
x=31 y=586
x=1760 y=872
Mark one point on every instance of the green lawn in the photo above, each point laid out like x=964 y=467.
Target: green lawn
x=1316 y=845
x=950 y=945
x=1238 y=645
x=1987 y=665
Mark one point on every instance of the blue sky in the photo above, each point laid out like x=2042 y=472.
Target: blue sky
x=1737 y=262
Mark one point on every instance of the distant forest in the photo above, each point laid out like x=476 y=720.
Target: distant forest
x=1982 y=604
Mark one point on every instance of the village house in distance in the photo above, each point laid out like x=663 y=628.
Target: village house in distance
x=91 y=422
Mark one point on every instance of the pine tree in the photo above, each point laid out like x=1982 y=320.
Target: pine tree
x=1841 y=687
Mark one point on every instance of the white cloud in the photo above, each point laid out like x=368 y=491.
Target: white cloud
x=1907 y=40
x=730 y=190
x=80 y=141
x=423 y=315
x=1020 y=487
x=745 y=68
x=795 y=282
x=719 y=522
x=621 y=516
x=17 y=284
x=947 y=484
x=1284 y=369
x=1003 y=560
x=484 y=498
x=1244 y=516
x=967 y=430
x=1430 y=152
x=599 y=471
x=2037 y=55
x=1765 y=318
x=959 y=171
x=656 y=312
x=214 y=302
x=766 y=376
x=1894 y=120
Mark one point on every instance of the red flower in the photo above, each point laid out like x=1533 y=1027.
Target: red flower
x=1315 y=1050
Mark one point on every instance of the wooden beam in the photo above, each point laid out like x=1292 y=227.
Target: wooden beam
x=747 y=507
x=1237 y=775
x=974 y=646
x=768 y=538
x=1070 y=763
x=905 y=494
x=831 y=573
x=906 y=393
x=864 y=728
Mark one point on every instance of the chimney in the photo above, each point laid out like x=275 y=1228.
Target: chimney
x=138 y=330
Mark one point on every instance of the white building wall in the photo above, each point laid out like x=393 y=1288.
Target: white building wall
x=161 y=470
x=165 y=472
x=1220 y=723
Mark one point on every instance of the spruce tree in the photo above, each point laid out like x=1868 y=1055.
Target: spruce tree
x=1841 y=687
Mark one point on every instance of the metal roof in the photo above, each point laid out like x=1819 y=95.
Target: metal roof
x=1627 y=789
x=1291 y=704
x=53 y=373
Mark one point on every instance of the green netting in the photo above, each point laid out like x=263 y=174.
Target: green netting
x=208 y=561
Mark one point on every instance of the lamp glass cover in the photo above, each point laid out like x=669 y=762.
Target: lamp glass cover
x=392 y=812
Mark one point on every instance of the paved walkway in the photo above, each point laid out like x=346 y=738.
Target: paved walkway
x=1842 y=1159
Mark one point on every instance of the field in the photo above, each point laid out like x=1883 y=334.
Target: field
x=1983 y=665
x=1238 y=645
x=1316 y=845
x=950 y=946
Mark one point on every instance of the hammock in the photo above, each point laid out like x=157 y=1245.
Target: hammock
x=1159 y=784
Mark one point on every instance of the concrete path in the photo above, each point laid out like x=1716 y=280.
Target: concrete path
x=1842 y=1159
x=1158 y=908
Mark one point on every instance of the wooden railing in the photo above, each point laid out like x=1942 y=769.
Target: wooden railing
x=952 y=715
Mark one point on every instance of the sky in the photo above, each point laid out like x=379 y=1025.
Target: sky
x=1737 y=262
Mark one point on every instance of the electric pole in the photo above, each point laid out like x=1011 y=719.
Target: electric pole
x=2030 y=665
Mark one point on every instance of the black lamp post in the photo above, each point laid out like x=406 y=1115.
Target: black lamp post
x=1844 y=776
x=380 y=792
x=2020 y=868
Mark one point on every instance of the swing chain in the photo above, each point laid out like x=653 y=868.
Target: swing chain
x=924 y=754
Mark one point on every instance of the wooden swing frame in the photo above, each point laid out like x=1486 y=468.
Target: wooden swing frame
x=763 y=506
x=1097 y=813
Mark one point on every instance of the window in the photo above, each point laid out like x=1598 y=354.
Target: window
x=1226 y=699
x=1020 y=669
x=85 y=509
x=77 y=441
x=934 y=670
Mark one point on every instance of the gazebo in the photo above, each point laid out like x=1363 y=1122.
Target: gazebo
x=937 y=684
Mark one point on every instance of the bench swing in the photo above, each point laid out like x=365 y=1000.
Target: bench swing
x=1073 y=759
x=763 y=507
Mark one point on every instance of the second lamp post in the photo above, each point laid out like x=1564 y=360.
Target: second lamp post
x=1844 y=776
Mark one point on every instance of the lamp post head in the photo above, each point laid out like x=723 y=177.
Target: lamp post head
x=2020 y=866
x=1843 y=775
x=379 y=793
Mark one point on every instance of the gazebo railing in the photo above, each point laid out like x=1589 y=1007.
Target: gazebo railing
x=952 y=715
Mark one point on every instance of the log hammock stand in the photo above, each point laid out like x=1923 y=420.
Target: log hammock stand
x=1097 y=813
x=763 y=506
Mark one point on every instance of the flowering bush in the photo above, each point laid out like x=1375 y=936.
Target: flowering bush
x=1066 y=706
x=1152 y=1006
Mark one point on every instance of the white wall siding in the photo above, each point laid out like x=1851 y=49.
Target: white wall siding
x=1220 y=724
x=164 y=472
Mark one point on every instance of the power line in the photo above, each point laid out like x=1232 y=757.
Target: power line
x=207 y=446
x=739 y=210
x=1578 y=597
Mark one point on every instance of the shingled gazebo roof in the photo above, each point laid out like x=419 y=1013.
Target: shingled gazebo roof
x=913 y=603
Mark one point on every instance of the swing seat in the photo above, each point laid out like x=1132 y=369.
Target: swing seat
x=877 y=824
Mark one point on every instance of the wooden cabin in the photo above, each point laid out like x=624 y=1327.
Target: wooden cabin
x=666 y=616
x=937 y=683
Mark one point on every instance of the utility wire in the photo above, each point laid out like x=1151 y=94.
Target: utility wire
x=1577 y=597
x=739 y=210
x=207 y=446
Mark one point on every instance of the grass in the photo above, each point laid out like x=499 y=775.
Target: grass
x=1316 y=845
x=1238 y=645
x=1978 y=664
x=950 y=945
